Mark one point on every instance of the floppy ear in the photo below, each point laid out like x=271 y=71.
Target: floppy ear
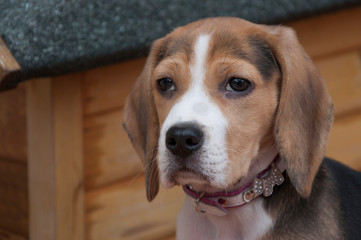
x=141 y=122
x=304 y=115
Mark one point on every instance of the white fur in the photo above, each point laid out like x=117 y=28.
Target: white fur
x=196 y=106
x=247 y=222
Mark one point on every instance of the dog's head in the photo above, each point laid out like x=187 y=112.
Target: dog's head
x=216 y=92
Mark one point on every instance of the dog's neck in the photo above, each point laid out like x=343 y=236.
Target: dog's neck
x=264 y=159
x=249 y=221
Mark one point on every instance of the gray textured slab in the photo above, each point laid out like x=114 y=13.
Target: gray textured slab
x=56 y=37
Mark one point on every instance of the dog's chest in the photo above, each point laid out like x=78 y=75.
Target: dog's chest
x=250 y=221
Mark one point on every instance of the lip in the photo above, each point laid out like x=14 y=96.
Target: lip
x=183 y=177
x=197 y=181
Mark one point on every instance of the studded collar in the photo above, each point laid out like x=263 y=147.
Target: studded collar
x=218 y=203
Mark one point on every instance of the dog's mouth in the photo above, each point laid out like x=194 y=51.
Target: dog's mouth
x=197 y=181
x=187 y=177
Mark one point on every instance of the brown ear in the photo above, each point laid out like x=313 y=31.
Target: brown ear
x=304 y=116
x=141 y=122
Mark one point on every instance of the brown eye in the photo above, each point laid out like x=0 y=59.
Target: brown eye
x=238 y=85
x=166 y=84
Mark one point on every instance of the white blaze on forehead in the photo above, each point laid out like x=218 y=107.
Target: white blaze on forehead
x=200 y=53
x=196 y=106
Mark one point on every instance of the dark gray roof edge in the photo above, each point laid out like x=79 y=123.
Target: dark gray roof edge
x=74 y=65
x=50 y=39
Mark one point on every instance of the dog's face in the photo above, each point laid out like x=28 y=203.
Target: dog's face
x=216 y=97
x=216 y=92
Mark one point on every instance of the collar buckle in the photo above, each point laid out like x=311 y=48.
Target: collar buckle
x=196 y=205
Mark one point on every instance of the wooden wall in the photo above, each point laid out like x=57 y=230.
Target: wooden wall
x=115 y=202
x=13 y=165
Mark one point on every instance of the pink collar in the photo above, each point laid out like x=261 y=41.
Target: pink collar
x=217 y=203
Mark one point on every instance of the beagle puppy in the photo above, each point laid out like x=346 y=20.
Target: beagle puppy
x=237 y=114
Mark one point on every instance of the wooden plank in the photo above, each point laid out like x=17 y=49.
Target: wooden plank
x=6 y=235
x=67 y=100
x=13 y=125
x=343 y=75
x=330 y=33
x=108 y=154
x=106 y=88
x=55 y=158
x=14 y=210
x=121 y=211
x=8 y=64
x=42 y=189
x=345 y=141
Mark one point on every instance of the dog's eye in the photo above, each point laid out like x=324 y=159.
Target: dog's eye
x=166 y=84
x=238 y=85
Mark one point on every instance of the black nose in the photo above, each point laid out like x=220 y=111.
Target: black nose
x=184 y=139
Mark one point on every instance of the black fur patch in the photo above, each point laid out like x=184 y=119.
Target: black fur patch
x=317 y=217
x=253 y=49
x=262 y=56
x=348 y=183
x=161 y=52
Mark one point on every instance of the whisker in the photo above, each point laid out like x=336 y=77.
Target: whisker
x=145 y=166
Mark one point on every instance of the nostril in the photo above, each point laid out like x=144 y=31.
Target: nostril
x=193 y=141
x=171 y=142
